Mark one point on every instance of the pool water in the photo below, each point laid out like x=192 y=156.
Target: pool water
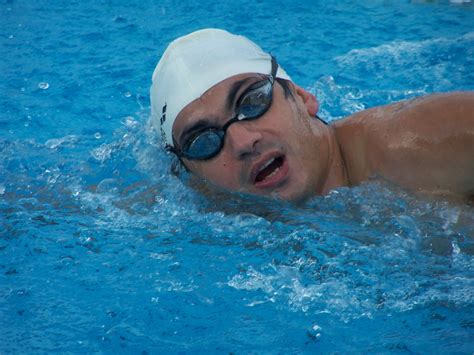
x=103 y=249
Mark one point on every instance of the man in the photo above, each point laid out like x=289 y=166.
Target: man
x=234 y=118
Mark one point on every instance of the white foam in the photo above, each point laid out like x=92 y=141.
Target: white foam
x=68 y=140
x=399 y=52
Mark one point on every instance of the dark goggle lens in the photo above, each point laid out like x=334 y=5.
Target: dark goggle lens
x=256 y=102
x=205 y=145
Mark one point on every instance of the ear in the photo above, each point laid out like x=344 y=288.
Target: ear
x=310 y=101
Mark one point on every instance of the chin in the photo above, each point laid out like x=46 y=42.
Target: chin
x=297 y=197
x=298 y=191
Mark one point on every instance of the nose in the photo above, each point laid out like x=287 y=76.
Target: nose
x=242 y=139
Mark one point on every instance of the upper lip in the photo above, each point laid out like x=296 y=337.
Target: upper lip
x=261 y=163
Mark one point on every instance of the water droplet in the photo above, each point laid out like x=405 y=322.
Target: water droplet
x=127 y=94
x=43 y=85
x=97 y=135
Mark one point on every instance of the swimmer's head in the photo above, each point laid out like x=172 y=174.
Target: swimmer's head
x=194 y=63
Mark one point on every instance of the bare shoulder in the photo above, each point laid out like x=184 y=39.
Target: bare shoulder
x=455 y=108
x=447 y=98
x=426 y=143
x=452 y=108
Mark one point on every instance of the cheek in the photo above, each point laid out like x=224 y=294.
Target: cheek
x=294 y=121
x=300 y=131
x=220 y=173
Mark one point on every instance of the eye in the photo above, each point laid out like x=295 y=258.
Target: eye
x=190 y=137
x=189 y=134
x=204 y=145
x=255 y=101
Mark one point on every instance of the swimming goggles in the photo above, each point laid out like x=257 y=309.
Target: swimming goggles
x=254 y=102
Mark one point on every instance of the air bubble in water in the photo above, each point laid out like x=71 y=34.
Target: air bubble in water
x=97 y=135
x=315 y=332
x=43 y=85
x=127 y=94
x=107 y=186
x=2 y=189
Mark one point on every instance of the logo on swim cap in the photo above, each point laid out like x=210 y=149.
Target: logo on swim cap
x=194 y=63
x=162 y=121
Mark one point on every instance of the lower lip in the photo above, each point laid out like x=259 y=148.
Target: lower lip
x=276 y=179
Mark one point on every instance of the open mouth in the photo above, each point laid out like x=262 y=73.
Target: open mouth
x=269 y=169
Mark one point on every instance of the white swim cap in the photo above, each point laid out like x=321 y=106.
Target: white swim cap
x=192 y=64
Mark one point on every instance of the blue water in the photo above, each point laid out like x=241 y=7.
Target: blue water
x=102 y=249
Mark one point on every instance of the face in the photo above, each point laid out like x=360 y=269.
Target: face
x=285 y=153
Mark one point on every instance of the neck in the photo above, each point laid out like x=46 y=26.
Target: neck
x=337 y=170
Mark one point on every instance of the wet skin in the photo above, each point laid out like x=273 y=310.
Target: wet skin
x=426 y=144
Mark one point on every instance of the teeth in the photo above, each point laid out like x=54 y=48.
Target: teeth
x=273 y=172
x=267 y=164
